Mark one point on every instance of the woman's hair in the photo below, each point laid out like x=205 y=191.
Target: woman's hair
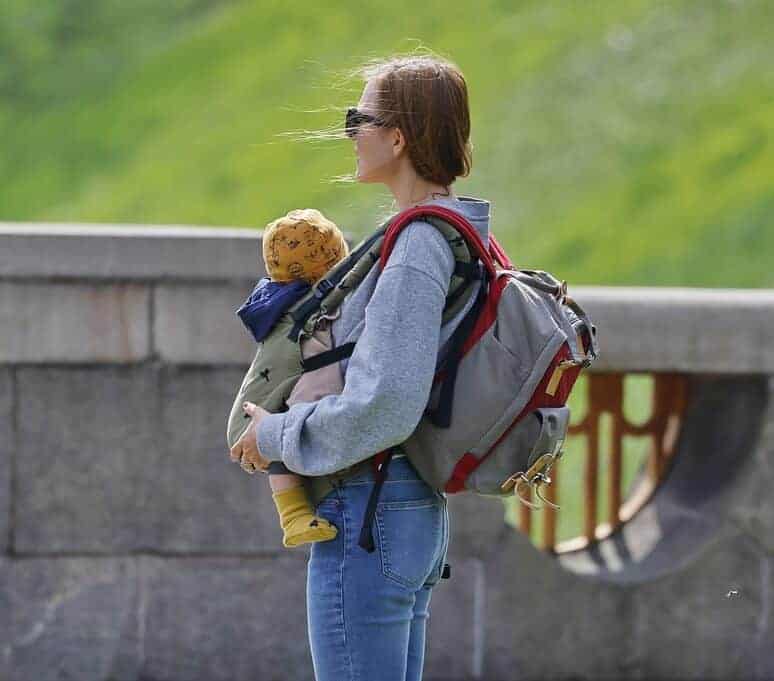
x=423 y=94
x=427 y=98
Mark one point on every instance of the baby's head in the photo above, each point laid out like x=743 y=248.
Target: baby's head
x=303 y=244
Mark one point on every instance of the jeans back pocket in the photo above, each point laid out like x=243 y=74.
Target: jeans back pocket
x=411 y=537
x=435 y=575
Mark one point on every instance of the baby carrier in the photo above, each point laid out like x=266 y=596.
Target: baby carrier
x=511 y=363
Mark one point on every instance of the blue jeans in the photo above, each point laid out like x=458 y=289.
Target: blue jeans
x=366 y=612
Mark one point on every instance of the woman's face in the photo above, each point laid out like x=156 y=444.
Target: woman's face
x=377 y=148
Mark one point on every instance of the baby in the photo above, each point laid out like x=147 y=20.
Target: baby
x=298 y=249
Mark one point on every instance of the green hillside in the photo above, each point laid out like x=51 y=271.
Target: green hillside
x=626 y=142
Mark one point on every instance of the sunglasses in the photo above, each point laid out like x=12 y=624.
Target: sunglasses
x=356 y=118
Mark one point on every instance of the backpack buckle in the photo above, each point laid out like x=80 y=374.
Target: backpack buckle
x=561 y=291
x=534 y=477
x=556 y=375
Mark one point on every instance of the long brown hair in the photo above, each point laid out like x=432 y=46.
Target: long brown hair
x=427 y=98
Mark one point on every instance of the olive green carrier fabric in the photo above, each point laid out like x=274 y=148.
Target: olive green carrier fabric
x=277 y=364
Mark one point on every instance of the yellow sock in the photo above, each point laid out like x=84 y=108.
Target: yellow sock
x=299 y=523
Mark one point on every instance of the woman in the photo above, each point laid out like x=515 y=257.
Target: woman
x=367 y=611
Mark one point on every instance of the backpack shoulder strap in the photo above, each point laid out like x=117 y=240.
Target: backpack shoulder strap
x=456 y=221
x=465 y=242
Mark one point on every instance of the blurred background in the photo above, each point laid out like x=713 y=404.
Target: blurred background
x=625 y=142
x=620 y=143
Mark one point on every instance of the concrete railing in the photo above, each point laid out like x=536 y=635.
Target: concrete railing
x=134 y=549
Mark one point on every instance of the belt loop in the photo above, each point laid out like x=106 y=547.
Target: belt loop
x=336 y=480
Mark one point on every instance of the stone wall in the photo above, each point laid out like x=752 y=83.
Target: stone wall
x=132 y=548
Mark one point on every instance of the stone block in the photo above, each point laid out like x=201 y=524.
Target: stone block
x=708 y=621
x=199 y=499
x=658 y=540
x=542 y=622
x=135 y=458
x=90 y=251
x=86 y=444
x=71 y=322
x=752 y=506
x=198 y=324
x=128 y=251
x=70 y=618
x=681 y=329
x=7 y=444
x=5 y=618
x=453 y=644
x=476 y=524
x=225 y=619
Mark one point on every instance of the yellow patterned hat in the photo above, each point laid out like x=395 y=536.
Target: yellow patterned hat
x=303 y=244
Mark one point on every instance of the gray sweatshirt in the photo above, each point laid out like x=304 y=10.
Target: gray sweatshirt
x=395 y=319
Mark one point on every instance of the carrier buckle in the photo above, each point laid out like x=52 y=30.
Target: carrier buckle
x=323 y=287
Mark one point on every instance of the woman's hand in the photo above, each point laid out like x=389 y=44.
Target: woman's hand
x=245 y=449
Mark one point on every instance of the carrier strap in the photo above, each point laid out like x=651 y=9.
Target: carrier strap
x=366 y=540
x=467 y=270
x=328 y=357
x=305 y=309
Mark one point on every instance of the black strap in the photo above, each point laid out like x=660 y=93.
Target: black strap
x=366 y=540
x=328 y=357
x=593 y=351
x=277 y=467
x=531 y=279
x=467 y=270
x=441 y=416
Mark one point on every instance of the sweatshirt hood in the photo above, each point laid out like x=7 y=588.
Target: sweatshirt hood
x=268 y=301
x=474 y=209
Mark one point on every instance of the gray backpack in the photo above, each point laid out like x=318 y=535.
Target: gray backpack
x=497 y=416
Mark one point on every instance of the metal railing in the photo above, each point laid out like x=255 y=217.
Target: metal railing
x=606 y=396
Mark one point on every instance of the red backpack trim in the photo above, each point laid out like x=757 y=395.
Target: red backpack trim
x=495 y=254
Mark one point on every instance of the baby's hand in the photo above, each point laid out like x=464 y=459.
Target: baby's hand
x=245 y=449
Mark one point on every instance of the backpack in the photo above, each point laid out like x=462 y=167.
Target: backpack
x=515 y=355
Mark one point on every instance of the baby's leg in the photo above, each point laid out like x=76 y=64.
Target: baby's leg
x=299 y=523
x=280 y=481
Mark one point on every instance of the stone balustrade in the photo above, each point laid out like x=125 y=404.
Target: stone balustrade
x=132 y=548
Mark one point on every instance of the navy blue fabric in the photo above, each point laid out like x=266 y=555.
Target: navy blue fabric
x=267 y=303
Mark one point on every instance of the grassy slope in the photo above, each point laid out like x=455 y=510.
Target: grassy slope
x=627 y=142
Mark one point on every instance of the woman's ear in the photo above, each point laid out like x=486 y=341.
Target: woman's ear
x=398 y=142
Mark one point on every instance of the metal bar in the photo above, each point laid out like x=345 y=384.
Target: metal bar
x=606 y=394
x=549 y=514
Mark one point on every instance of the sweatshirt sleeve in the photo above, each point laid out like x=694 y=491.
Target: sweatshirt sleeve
x=389 y=375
